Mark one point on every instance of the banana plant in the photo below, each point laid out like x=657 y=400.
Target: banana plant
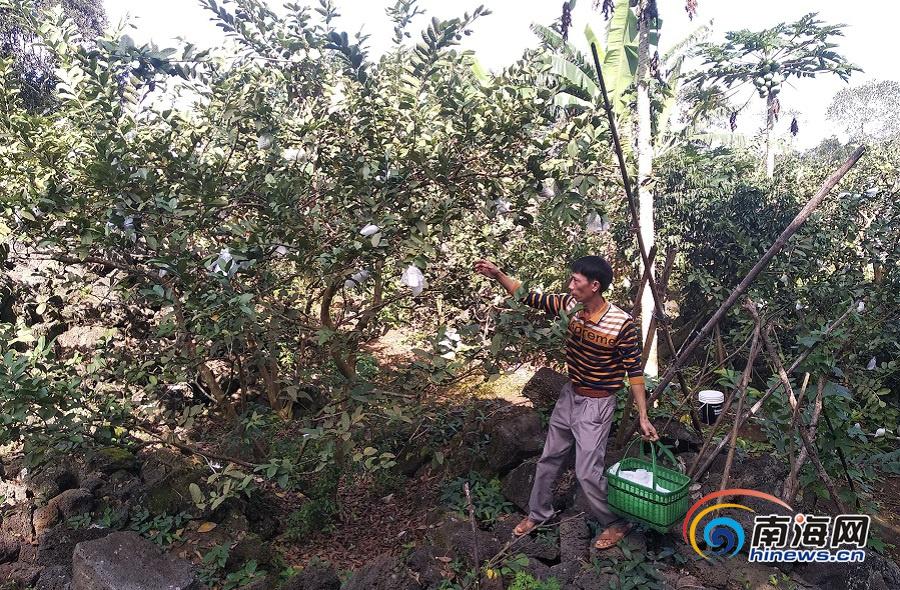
x=575 y=68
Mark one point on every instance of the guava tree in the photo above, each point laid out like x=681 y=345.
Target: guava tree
x=33 y=67
x=766 y=60
x=295 y=200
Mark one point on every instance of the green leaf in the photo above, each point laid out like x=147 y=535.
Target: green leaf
x=836 y=389
x=809 y=341
x=573 y=75
x=592 y=38
x=566 y=100
x=196 y=494
x=324 y=335
x=621 y=60
x=482 y=75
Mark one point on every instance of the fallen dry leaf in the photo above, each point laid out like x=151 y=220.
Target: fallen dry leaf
x=206 y=527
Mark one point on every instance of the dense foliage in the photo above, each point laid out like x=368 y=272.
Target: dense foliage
x=34 y=68
x=297 y=199
x=305 y=200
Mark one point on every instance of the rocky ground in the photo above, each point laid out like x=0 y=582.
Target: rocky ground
x=60 y=526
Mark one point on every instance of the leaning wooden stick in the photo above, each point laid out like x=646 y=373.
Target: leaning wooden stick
x=662 y=285
x=763 y=262
x=635 y=223
x=842 y=457
x=698 y=473
x=792 y=483
x=651 y=333
x=743 y=386
x=726 y=407
x=806 y=437
x=636 y=308
x=626 y=182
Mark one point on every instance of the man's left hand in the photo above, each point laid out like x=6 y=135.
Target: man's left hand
x=648 y=432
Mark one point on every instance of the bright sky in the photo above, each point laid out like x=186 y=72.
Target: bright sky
x=499 y=39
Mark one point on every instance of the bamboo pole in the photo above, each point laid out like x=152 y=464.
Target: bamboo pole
x=696 y=472
x=636 y=307
x=806 y=437
x=743 y=386
x=629 y=402
x=776 y=247
x=635 y=222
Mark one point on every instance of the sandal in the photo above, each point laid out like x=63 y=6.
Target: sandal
x=612 y=535
x=523 y=528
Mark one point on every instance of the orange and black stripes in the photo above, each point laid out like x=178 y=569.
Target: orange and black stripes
x=601 y=350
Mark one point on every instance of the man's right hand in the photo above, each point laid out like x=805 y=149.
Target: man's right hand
x=487 y=268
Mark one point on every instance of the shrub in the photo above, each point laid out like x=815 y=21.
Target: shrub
x=487 y=498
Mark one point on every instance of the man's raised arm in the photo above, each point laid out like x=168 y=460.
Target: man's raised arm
x=490 y=270
x=550 y=303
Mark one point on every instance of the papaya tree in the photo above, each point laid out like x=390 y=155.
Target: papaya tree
x=766 y=60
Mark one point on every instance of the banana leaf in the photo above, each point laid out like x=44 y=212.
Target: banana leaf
x=621 y=60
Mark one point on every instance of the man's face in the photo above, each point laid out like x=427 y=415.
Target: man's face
x=582 y=288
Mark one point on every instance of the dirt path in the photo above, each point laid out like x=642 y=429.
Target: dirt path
x=370 y=526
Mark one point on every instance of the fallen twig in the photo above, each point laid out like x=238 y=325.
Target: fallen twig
x=194 y=450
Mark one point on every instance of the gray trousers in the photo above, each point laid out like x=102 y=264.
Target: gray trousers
x=584 y=422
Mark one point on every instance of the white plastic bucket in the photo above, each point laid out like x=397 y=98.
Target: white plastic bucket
x=711 y=402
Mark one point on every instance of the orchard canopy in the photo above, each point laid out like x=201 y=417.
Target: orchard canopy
x=241 y=229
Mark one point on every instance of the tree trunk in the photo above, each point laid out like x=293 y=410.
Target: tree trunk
x=645 y=170
x=770 y=125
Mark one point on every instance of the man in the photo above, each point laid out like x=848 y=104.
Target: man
x=602 y=348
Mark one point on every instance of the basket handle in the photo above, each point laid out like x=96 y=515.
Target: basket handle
x=631 y=444
x=666 y=451
x=663 y=451
x=627 y=449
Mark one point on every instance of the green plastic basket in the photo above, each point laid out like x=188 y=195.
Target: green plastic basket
x=658 y=510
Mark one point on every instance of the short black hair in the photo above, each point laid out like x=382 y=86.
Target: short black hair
x=595 y=268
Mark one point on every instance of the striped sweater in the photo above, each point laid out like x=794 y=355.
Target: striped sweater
x=601 y=349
